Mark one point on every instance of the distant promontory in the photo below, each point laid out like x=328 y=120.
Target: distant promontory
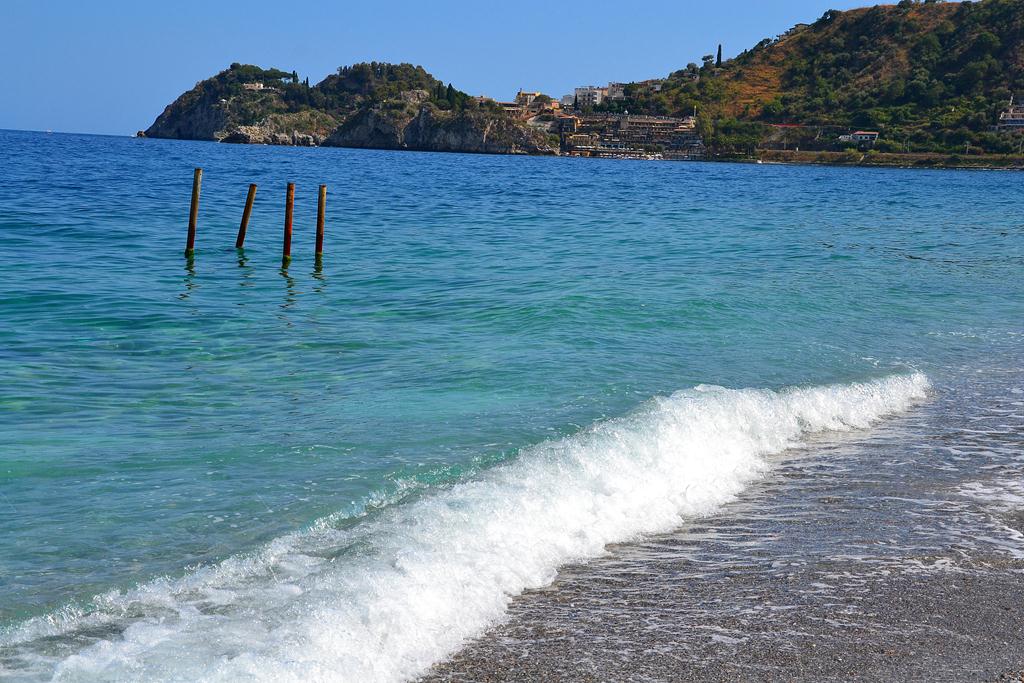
x=378 y=105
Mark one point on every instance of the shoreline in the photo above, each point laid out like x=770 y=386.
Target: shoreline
x=868 y=159
x=851 y=561
x=768 y=157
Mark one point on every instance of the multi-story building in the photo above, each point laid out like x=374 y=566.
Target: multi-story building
x=567 y=123
x=590 y=95
x=636 y=135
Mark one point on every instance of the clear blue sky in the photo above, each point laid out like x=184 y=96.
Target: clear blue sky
x=110 y=66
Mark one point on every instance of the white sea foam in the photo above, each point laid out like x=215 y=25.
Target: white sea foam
x=386 y=598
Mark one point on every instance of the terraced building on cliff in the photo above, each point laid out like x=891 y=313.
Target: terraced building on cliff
x=631 y=135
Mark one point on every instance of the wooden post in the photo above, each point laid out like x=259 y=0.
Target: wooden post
x=193 y=214
x=288 y=203
x=321 y=206
x=245 y=216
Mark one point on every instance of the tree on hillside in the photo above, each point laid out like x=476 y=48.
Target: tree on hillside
x=295 y=76
x=718 y=62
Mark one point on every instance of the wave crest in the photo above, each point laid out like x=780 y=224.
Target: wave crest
x=386 y=598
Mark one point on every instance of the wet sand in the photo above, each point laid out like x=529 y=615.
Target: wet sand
x=891 y=556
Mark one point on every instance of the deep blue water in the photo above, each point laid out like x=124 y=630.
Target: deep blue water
x=159 y=415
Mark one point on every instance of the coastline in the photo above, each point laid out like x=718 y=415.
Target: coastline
x=993 y=162
x=932 y=161
x=770 y=157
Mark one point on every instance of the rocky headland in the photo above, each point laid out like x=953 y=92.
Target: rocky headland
x=382 y=106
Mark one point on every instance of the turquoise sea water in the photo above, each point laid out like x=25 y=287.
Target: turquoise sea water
x=164 y=422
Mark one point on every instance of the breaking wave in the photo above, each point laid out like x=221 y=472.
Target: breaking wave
x=383 y=599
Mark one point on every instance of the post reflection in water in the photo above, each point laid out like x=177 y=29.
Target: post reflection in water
x=291 y=294
x=190 y=276
x=246 y=270
x=318 y=275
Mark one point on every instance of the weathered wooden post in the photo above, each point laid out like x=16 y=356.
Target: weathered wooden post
x=288 y=203
x=193 y=214
x=245 y=216
x=320 y=208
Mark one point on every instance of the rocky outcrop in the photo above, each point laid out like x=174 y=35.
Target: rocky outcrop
x=429 y=129
x=370 y=128
x=266 y=135
x=191 y=117
x=248 y=135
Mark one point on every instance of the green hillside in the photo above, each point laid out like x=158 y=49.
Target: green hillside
x=929 y=76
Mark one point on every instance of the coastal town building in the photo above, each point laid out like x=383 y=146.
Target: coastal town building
x=626 y=135
x=1012 y=119
x=525 y=99
x=567 y=123
x=590 y=95
x=529 y=104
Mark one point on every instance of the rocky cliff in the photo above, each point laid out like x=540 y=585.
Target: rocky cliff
x=434 y=130
x=368 y=105
x=188 y=118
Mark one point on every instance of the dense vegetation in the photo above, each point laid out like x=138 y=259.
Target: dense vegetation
x=333 y=99
x=930 y=76
x=374 y=82
x=348 y=89
x=390 y=106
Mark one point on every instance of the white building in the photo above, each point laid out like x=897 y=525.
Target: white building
x=860 y=136
x=591 y=95
x=864 y=136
